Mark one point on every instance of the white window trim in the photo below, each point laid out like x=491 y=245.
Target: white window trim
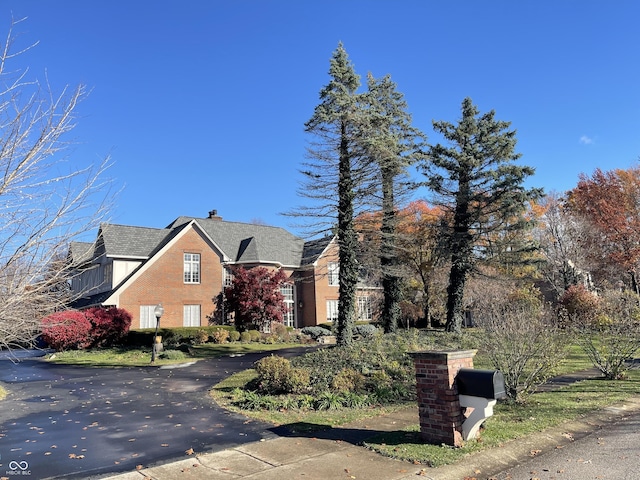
x=147 y=316
x=289 y=318
x=333 y=274
x=365 y=312
x=191 y=316
x=191 y=275
x=332 y=311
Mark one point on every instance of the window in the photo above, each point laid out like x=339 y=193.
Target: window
x=289 y=303
x=227 y=277
x=334 y=270
x=191 y=268
x=147 y=316
x=364 y=309
x=332 y=310
x=108 y=273
x=191 y=316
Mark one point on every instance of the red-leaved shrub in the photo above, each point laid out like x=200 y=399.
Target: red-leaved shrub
x=109 y=325
x=67 y=330
x=580 y=304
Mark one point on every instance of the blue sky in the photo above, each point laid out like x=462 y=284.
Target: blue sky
x=201 y=103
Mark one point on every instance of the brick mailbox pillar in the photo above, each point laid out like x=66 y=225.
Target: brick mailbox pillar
x=441 y=416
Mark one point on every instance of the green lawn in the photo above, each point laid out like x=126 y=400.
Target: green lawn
x=141 y=357
x=511 y=421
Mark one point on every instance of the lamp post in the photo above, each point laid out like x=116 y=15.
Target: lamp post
x=158 y=312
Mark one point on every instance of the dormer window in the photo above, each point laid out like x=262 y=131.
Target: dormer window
x=191 y=268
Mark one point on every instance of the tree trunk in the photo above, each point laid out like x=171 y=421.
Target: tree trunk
x=391 y=282
x=455 y=296
x=348 y=242
x=427 y=305
x=634 y=282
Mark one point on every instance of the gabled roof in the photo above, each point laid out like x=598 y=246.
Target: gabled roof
x=130 y=242
x=249 y=243
x=313 y=249
x=80 y=252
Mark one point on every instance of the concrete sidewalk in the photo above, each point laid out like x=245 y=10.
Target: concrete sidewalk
x=334 y=454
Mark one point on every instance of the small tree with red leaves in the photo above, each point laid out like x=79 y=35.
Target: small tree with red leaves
x=255 y=299
x=68 y=330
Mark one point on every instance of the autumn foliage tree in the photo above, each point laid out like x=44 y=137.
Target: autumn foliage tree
x=255 y=299
x=420 y=248
x=608 y=201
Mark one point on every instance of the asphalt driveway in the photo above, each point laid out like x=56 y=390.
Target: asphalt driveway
x=74 y=422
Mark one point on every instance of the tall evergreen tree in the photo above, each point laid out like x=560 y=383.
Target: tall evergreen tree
x=333 y=176
x=474 y=180
x=392 y=144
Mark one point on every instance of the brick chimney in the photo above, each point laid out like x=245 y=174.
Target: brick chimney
x=213 y=215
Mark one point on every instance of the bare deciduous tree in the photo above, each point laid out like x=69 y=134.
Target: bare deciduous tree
x=45 y=203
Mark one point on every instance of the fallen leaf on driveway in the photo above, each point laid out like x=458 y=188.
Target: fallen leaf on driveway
x=189 y=452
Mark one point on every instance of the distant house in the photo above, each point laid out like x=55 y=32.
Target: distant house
x=187 y=264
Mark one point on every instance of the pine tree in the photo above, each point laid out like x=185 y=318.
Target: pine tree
x=334 y=175
x=482 y=192
x=392 y=144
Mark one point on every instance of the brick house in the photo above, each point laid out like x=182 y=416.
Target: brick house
x=185 y=265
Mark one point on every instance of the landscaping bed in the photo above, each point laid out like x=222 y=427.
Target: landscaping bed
x=379 y=358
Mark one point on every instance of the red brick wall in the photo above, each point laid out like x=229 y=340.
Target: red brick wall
x=323 y=291
x=163 y=282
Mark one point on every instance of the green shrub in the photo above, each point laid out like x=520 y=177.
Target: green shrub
x=245 y=337
x=329 y=401
x=269 y=338
x=297 y=381
x=172 y=355
x=356 y=400
x=234 y=336
x=316 y=332
x=365 y=331
x=276 y=375
x=348 y=380
x=255 y=335
x=272 y=373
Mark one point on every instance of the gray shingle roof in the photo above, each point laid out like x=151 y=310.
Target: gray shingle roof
x=248 y=242
x=240 y=242
x=313 y=249
x=126 y=241
x=80 y=252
